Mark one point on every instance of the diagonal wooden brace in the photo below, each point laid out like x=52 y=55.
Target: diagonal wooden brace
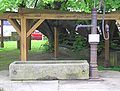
x=34 y=27
x=118 y=21
x=15 y=24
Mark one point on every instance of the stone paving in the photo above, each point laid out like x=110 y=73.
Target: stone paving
x=111 y=83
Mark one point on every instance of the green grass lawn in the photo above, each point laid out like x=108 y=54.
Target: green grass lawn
x=114 y=68
x=10 y=52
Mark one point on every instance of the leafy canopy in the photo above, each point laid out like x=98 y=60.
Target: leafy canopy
x=75 y=5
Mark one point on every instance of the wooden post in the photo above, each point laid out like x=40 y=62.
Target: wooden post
x=2 y=37
x=29 y=42
x=106 y=31
x=18 y=44
x=23 y=40
x=106 y=62
x=55 y=42
x=29 y=37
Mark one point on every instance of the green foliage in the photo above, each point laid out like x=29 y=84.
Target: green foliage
x=44 y=3
x=100 y=47
x=113 y=45
x=9 y=4
x=113 y=4
x=115 y=68
x=75 y=5
x=13 y=5
x=79 y=44
x=46 y=47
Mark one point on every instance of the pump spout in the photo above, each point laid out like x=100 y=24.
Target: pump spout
x=82 y=26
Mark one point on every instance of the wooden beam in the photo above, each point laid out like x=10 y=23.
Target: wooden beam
x=49 y=14
x=2 y=37
x=34 y=27
x=15 y=24
x=10 y=15
x=55 y=42
x=55 y=14
x=3 y=16
x=23 y=40
x=70 y=16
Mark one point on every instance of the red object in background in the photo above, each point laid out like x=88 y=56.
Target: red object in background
x=36 y=35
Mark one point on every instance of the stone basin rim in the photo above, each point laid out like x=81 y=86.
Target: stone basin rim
x=48 y=62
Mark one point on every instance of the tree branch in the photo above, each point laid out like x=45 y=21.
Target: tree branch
x=35 y=3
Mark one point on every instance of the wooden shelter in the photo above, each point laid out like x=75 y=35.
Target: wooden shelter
x=25 y=21
x=21 y=21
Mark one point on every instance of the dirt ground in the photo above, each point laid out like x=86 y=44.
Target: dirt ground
x=63 y=53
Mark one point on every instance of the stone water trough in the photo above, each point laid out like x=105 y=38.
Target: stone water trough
x=49 y=70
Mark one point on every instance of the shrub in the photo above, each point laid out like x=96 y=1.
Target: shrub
x=79 y=43
x=46 y=47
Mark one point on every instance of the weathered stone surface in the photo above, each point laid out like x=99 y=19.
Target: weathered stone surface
x=41 y=70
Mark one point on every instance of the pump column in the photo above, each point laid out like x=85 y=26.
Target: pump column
x=93 y=40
